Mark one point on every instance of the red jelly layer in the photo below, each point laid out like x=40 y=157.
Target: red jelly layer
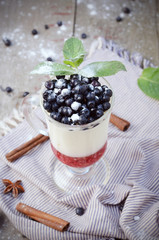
x=79 y=162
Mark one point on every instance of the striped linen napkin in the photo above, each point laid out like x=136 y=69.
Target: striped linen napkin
x=127 y=207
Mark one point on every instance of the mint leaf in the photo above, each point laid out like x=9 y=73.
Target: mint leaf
x=73 y=49
x=74 y=64
x=52 y=68
x=102 y=69
x=149 y=82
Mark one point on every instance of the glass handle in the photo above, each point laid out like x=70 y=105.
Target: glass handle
x=30 y=108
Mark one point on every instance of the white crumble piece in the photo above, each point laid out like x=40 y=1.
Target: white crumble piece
x=75 y=117
x=59 y=83
x=136 y=218
x=56 y=90
x=65 y=92
x=75 y=105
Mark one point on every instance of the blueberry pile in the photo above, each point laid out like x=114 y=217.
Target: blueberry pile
x=77 y=100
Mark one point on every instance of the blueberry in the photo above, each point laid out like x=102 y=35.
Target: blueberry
x=85 y=112
x=93 y=112
x=83 y=35
x=100 y=106
x=69 y=86
x=59 y=23
x=46 y=26
x=106 y=106
x=78 y=97
x=60 y=99
x=67 y=111
x=82 y=120
x=119 y=19
x=126 y=10
x=49 y=85
x=60 y=110
x=47 y=106
x=79 y=211
x=97 y=99
x=109 y=92
x=46 y=94
x=74 y=77
x=75 y=82
x=56 y=115
x=7 y=42
x=83 y=88
x=55 y=106
x=60 y=76
x=49 y=59
x=69 y=101
x=90 y=87
x=105 y=97
x=97 y=91
x=25 y=94
x=9 y=89
x=91 y=119
x=104 y=87
x=96 y=83
x=66 y=120
x=90 y=96
x=51 y=97
x=99 y=113
x=91 y=104
x=34 y=32
x=85 y=80
x=76 y=89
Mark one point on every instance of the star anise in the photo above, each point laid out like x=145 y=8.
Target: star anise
x=15 y=188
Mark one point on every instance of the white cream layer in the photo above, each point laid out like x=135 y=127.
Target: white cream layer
x=78 y=143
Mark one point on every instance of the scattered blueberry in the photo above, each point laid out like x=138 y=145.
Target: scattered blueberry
x=119 y=19
x=126 y=10
x=25 y=94
x=34 y=32
x=83 y=35
x=46 y=26
x=59 y=23
x=9 y=89
x=79 y=211
x=7 y=42
x=49 y=59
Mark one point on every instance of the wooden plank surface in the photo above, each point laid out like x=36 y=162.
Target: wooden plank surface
x=137 y=32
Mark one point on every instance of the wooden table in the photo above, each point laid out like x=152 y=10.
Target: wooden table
x=137 y=32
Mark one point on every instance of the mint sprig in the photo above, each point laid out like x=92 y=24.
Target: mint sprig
x=148 y=82
x=74 y=54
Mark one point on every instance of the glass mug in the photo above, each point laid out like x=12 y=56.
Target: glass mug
x=79 y=149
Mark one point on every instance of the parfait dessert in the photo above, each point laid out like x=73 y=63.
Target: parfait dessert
x=79 y=110
x=77 y=103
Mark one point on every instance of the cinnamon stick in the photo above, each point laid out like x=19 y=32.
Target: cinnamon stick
x=42 y=217
x=120 y=123
x=25 y=147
